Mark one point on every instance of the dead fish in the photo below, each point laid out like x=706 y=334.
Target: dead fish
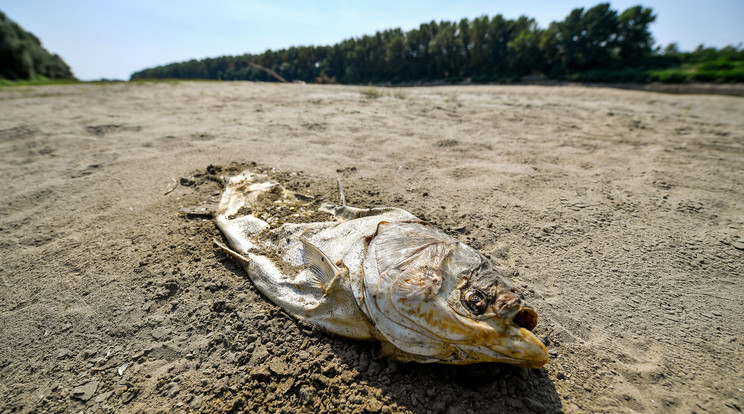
x=376 y=274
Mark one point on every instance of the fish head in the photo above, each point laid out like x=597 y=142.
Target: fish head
x=500 y=321
x=436 y=299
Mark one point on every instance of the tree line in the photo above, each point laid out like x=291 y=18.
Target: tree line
x=481 y=49
x=23 y=57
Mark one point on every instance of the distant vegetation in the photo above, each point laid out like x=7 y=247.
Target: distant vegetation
x=23 y=58
x=594 y=45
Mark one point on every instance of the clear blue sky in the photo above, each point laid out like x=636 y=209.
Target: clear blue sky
x=114 y=38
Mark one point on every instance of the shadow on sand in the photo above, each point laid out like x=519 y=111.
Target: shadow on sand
x=432 y=388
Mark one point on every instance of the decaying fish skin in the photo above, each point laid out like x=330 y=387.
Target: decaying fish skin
x=376 y=274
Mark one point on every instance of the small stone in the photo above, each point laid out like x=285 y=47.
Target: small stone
x=363 y=362
x=535 y=406
x=160 y=333
x=285 y=385
x=514 y=403
x=329 y=370
x=374 y=406
x=307 y=393
x=260 y=371
x=259 y=354
x=173 y=390
x=129 y=395
x=85 y=392
x=88 y=353
x=374 y=368
x=104 y=396
x=121 y=390
x=278 y=366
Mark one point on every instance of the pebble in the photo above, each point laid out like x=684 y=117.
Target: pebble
x=374 y=406
x=260 y=371
x=160 y=333
x=307 y=393
x=260 y=353
x=104 y=396
x=278 y=366
x=129 y=395
x=535 y=406
x=363 y=362
x=173 y=390
x=285 y=385
x=85 y=392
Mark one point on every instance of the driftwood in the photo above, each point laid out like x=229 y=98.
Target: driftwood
x=267 y=70
x=324 y=79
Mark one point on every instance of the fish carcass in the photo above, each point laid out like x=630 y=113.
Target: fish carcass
x=376 y=274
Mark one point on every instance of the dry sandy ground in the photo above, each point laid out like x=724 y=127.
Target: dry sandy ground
x=619 y=212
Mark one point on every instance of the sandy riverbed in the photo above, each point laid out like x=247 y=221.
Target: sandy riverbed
x=619 y=213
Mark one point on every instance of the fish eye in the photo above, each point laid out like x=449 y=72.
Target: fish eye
x=476 y=301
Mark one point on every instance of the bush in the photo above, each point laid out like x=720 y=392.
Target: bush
x=371 y=93
x=627 y=75
x=669 y=76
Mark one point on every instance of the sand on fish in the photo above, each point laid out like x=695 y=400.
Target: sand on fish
x=617 y=212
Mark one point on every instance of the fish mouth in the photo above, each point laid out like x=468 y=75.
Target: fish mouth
x=512 y=340
x=526 y=318
x=537 y=353
x=516 y=313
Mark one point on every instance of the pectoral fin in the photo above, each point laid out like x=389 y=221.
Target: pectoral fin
x=324 y=272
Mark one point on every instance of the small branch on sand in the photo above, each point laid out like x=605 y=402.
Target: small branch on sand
x=267 y=70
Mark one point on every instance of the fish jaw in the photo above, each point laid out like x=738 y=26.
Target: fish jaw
x=507 y=333
x=510 y=344
x=463 y=340
x=437 y=335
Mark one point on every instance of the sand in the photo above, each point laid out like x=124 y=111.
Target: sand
x=618 y=213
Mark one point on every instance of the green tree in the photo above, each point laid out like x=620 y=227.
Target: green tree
x=596 y=40
x=524 y=51
x=584 y=40
x=23 y=57
x=633 y=37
